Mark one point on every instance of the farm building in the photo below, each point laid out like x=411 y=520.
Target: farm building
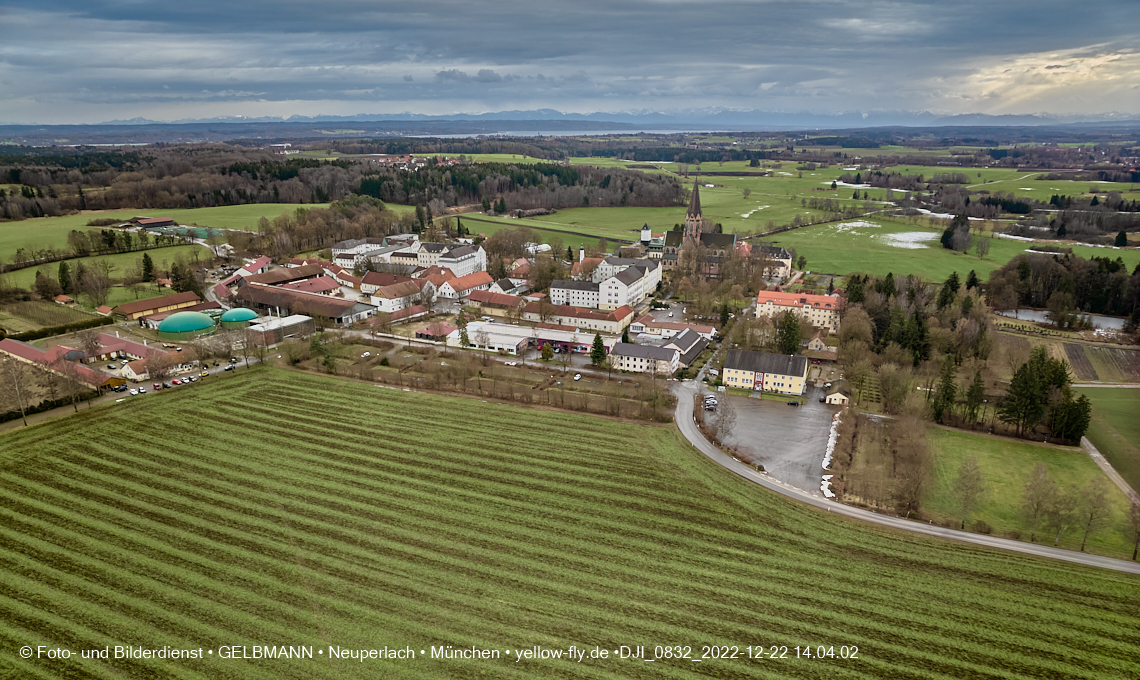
x=185 y=326
x=238 y=317
x=165 y=303
x=273 y=330
x=281 y=302
x=784 y=373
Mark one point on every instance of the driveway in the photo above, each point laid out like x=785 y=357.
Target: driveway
x=789 y=441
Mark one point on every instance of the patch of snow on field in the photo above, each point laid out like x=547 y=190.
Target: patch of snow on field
x=911 y=240
x=785 y=173
x=749 y=213
x=946 y=216
x=849 y=186
x=832 y=438
x=825 y=487
x=1014 y=238
x=857 y=224
x=1025 y=189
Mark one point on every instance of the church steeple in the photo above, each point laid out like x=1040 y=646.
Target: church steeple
x=695 y=202
x=693 y=219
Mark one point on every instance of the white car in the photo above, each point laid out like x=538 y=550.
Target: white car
x=366 y=354
x=577 y=376
x=133 y=392
x=713 y=371
x=670 y=314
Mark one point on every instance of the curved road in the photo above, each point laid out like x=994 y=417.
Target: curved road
x=684 y=418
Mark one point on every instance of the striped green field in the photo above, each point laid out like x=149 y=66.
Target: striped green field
x=271 y=508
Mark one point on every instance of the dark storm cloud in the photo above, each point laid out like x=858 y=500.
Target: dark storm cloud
x=77 y=59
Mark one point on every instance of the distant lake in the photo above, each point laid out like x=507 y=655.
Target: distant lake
x=1098 y=321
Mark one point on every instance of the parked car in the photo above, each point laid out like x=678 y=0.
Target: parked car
x=670 y=314
x=233 y=360
x=167 y=386
x=577 y=376
x=368 y=354
x=193 y=378
x=793 y=403
x=229 y=368
x=125 y=362
x=822 y=400
x=176 y=381
x=158 y=386
x=142 y=390
x=204 y=373
x=112 y=366
x=134 y=392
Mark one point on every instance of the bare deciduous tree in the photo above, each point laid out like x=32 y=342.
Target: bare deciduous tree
x=16 y=376
x=968 y=486
x=1039 y=492
x=1093 y=509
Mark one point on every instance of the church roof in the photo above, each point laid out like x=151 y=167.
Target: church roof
x=695 y=201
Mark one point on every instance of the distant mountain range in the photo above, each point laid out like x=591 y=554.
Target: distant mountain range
x=716 y=118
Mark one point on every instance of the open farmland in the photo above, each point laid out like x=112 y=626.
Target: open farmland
x=242 y=515
x=53 y=231
x=40 y=314
x=163 y=259
x=1115 y=430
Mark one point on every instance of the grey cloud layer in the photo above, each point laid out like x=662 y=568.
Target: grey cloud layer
x=442 y=56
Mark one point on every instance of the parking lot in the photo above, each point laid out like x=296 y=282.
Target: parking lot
x=789 y=441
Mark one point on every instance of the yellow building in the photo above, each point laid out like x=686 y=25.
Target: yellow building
x=784 y=373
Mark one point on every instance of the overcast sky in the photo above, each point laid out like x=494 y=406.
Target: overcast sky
x=72 y=61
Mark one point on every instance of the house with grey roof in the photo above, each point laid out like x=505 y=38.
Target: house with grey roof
x=645 y=359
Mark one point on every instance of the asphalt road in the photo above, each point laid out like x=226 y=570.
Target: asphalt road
x=684 y=418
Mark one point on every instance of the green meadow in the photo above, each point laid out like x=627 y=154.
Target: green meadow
x=54 y=230
x=163 y=258
x=1006 y=465
x=1115 y=431
x=231 y=512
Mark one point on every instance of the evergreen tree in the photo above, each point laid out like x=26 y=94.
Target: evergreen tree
x=147 y=268
x=724 y=315
x=972 y=280
x=788 y=333
x=1023 y=405
x=1071 y=417
x=625 y=335
x=1122 y=239
x=461 y=321
x=598 y=352
x=947 y=390
x=547 y=352
x=1061 y=231
x=974 y=396
x=855 y=289
x=569 y=254
x=65 y=278
x=967 y=305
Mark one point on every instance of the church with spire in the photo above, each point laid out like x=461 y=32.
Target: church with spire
x=696 y=232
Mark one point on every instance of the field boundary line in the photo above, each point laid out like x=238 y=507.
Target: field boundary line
x=1101 y=461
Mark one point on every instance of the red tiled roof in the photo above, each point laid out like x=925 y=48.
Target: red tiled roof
x=581 y=312
x=63 y=298
x=471 y=281
x=382 y=278
x=52 y=359
x=103 y=309
x=781 y=299
x=259 y=263
x=319 y=284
